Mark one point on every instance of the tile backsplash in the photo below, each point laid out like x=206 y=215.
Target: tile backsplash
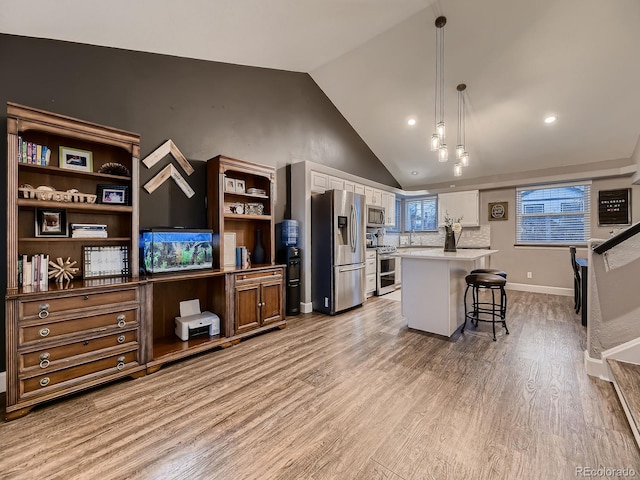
x=472 y=237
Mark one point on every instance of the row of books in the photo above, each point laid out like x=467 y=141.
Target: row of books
x=32 y=153
x=88 y=230
x=33 y=270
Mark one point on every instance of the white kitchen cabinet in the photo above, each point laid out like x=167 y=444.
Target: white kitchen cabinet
x=359 y=188
x=319 y=182
x=460 y=204
x=368 y=193
x=349 y=186
x=336 y=183
x=370 y=272
x=389 y=204
x=377 y=197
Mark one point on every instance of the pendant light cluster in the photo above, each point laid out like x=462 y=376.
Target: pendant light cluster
x=438 y=143
x=462 y=156
x=438 y=138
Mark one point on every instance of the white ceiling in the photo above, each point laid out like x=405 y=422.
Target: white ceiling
x=374 y=59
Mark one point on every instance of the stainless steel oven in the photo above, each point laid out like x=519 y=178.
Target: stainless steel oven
x=388 y=271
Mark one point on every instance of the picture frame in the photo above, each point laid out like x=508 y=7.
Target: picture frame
x=229 y=184
x=240 y=186
x=614 y=207
x=75 y=159
x=105 y=261
x=229 y=249
x=51 y=222
x=113 y=194
x=498 y=211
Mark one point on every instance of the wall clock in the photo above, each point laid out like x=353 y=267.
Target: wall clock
x=498 y=210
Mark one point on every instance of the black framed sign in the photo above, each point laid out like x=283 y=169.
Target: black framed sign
x=614 y=207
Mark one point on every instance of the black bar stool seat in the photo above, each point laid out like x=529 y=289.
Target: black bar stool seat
x=492 y=271
x=492 y=312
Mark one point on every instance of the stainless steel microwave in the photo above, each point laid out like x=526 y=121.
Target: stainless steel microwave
x=375 y=216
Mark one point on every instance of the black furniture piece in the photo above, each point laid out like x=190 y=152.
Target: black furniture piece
x=291 y=257
x=484 y=311
x=577 y=281
x=584 y=275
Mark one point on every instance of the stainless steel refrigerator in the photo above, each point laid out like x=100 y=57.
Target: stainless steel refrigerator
x=337 y=250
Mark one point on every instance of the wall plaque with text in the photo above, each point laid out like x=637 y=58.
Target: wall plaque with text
x=614 y=207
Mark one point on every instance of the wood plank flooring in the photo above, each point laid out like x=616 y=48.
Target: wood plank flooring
x=355 y=396
x=627 y=377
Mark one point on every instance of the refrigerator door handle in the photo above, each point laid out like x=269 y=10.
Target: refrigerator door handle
x=353 y=229
x=361 y=267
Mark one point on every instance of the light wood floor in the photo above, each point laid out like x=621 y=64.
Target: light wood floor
x=355 y=396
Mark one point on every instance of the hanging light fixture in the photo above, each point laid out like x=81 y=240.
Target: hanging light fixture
x=457 y=170
x=438 y=138
x=461 y=150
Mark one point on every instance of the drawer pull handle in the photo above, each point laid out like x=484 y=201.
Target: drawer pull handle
x=44 y=310
x=121 y=339
x=44 y=363
x=85 y=297
x=121 y=320
x=44 y=332
x=120 y=364
x=44 y=381
x=44 y=356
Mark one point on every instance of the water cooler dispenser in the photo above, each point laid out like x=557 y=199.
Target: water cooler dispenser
x=288 y=254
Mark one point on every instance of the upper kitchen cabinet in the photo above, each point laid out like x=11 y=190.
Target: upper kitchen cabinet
x=389 y=204
x=465 y=205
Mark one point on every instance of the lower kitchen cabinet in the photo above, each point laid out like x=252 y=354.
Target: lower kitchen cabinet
x=258 y=299
x=63 y=341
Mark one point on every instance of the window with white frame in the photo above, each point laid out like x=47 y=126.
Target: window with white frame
x=553 y=214
x=421 y=214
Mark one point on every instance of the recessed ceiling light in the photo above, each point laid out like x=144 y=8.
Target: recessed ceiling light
x=550 y=119
x=411 y=121
x=415 y=172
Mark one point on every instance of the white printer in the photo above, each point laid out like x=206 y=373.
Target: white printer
x=192 y=322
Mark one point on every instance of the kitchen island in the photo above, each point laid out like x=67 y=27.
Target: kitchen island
x=433 y=286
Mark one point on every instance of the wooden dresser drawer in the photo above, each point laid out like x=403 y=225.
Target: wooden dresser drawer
x=53 y=357
x=31 y=331
x=48 y=382
x=55 y=305
x=258 y=276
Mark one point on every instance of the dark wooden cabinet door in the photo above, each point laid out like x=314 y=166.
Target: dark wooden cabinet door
x=247 y=307
x=271 y=301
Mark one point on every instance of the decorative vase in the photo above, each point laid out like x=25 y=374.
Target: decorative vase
x=258 y=251
x=449 y=240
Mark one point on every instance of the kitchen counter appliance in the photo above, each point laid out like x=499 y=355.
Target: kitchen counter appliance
x=388 y=270
x=337 y=251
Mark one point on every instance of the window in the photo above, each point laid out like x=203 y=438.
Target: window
x=421 y=214
x=553 y=215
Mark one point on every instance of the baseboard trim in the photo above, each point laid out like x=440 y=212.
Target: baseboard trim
x=626 y=352
x=525 y=287
x=596 y=367
x=306 y=307
x=3 y=382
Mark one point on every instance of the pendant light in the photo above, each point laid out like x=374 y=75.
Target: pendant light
x=438 y=138
x=461 y=150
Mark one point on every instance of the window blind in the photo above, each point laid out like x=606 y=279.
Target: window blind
x=558 y=214
x=421 y=214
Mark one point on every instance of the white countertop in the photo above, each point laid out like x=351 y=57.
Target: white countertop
x=440 y=254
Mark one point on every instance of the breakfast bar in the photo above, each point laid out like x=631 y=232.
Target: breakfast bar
x=433 y=287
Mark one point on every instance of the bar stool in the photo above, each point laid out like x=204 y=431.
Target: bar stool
x=491 y=312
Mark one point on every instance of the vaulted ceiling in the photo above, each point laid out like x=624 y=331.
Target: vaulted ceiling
x=375 y=59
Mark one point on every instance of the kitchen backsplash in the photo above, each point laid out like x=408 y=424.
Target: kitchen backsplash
x=472 y=237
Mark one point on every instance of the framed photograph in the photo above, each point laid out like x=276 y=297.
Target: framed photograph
x=74 y=159
x=105 y=261
x=229 y=184
x=51 y=222
x=498 y=210
x=239 y=186
x=614 y=207
x=229 y=249
x=113 y=194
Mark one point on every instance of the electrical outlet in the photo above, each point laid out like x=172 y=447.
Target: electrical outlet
x=529 y=275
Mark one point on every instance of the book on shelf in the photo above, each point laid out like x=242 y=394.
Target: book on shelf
x=88 y=230
x=33 y=153
x=34 y=270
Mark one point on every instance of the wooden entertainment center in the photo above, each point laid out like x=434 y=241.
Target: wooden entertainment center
x=67 y=337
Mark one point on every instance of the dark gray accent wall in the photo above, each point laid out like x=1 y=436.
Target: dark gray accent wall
x=260 y=115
